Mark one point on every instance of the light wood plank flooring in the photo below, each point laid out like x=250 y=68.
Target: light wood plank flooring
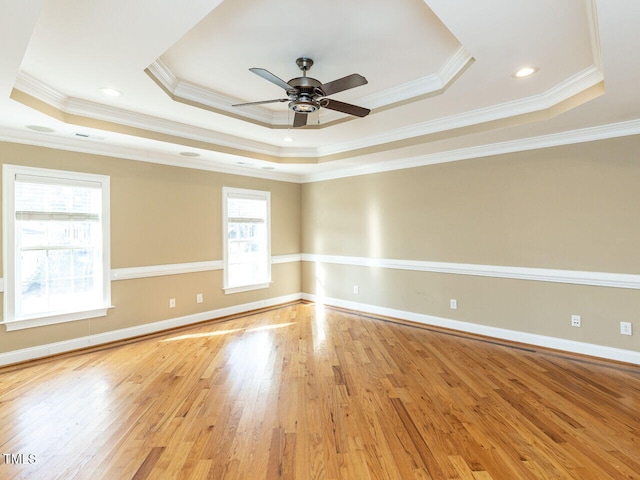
x=310 y=393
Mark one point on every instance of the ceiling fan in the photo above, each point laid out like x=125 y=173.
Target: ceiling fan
x=307 y=95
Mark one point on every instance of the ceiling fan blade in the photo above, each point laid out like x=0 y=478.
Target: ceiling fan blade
x=261 y=103
x=344 y=83
x=345 y=108
x=300 y=120
x=267 y=75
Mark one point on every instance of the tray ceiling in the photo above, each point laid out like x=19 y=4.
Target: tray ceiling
x=440 y=78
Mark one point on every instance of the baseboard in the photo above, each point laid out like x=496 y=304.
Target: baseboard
x=600 y=351
x=49 y=349
x=582 y=348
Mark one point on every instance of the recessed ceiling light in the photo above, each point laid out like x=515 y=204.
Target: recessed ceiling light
x=268 y=168
x=287 y=139
x=40 y=128
x=112 y=92
x=244 y=163
x=525 y=72
x=190 y=154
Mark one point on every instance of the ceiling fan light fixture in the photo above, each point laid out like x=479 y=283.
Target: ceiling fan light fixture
x=304 y=105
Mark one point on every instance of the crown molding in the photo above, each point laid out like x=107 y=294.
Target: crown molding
x=142 y=121
x=96 y=111
x=195 y=95
x=574 y=85
x=430 y=85
x=186 y=92
x=96 y=147
x=594 y=34
x=31 y=85
x=584 y=135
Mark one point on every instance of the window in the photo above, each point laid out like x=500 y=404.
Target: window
x=246 y=239
x=56 y=246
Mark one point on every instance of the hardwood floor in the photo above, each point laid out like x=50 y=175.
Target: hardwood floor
x=307 y=393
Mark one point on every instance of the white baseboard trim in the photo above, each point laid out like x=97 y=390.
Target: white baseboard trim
x=582 y=348
x=600 y=351
x=40 y=351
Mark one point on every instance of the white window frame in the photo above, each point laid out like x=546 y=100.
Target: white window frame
x=9 y=173
x=248 y=194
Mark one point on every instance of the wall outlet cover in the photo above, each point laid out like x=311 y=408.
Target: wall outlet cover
x=576 y=321
x=626 y=328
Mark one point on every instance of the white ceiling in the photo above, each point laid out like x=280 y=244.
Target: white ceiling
x=440 y=73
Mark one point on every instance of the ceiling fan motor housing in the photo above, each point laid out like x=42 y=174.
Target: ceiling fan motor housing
x=304 y=94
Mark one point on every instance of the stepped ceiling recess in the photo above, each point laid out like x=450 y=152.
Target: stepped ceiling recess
x=442 y=82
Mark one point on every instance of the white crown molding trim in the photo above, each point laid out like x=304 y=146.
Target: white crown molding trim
x=96 y=147
x=576 y=277
x=575 y=84
x=31 y=85
x=589 y=134
x=40 y=351
x=429 y=84
x=84 y=108
x=91 y=146
x=594 y=33
x=570 y=87
x=582 y=348
x=107 y=113
x=130 y=273
x=163 y=74
x=454 y=66
x=221 y=102
x=205 y=96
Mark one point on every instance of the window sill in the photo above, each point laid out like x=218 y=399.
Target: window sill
x=32 y=322
x=246 y=288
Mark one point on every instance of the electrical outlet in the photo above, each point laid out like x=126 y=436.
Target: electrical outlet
x=625 y=328
x=172 y=303
x=356 y=289
x=453 y=304
x=199 y=298
x=576 y=321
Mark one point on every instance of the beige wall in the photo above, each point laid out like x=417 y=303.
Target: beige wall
x=163 y=215
x=572 y=207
